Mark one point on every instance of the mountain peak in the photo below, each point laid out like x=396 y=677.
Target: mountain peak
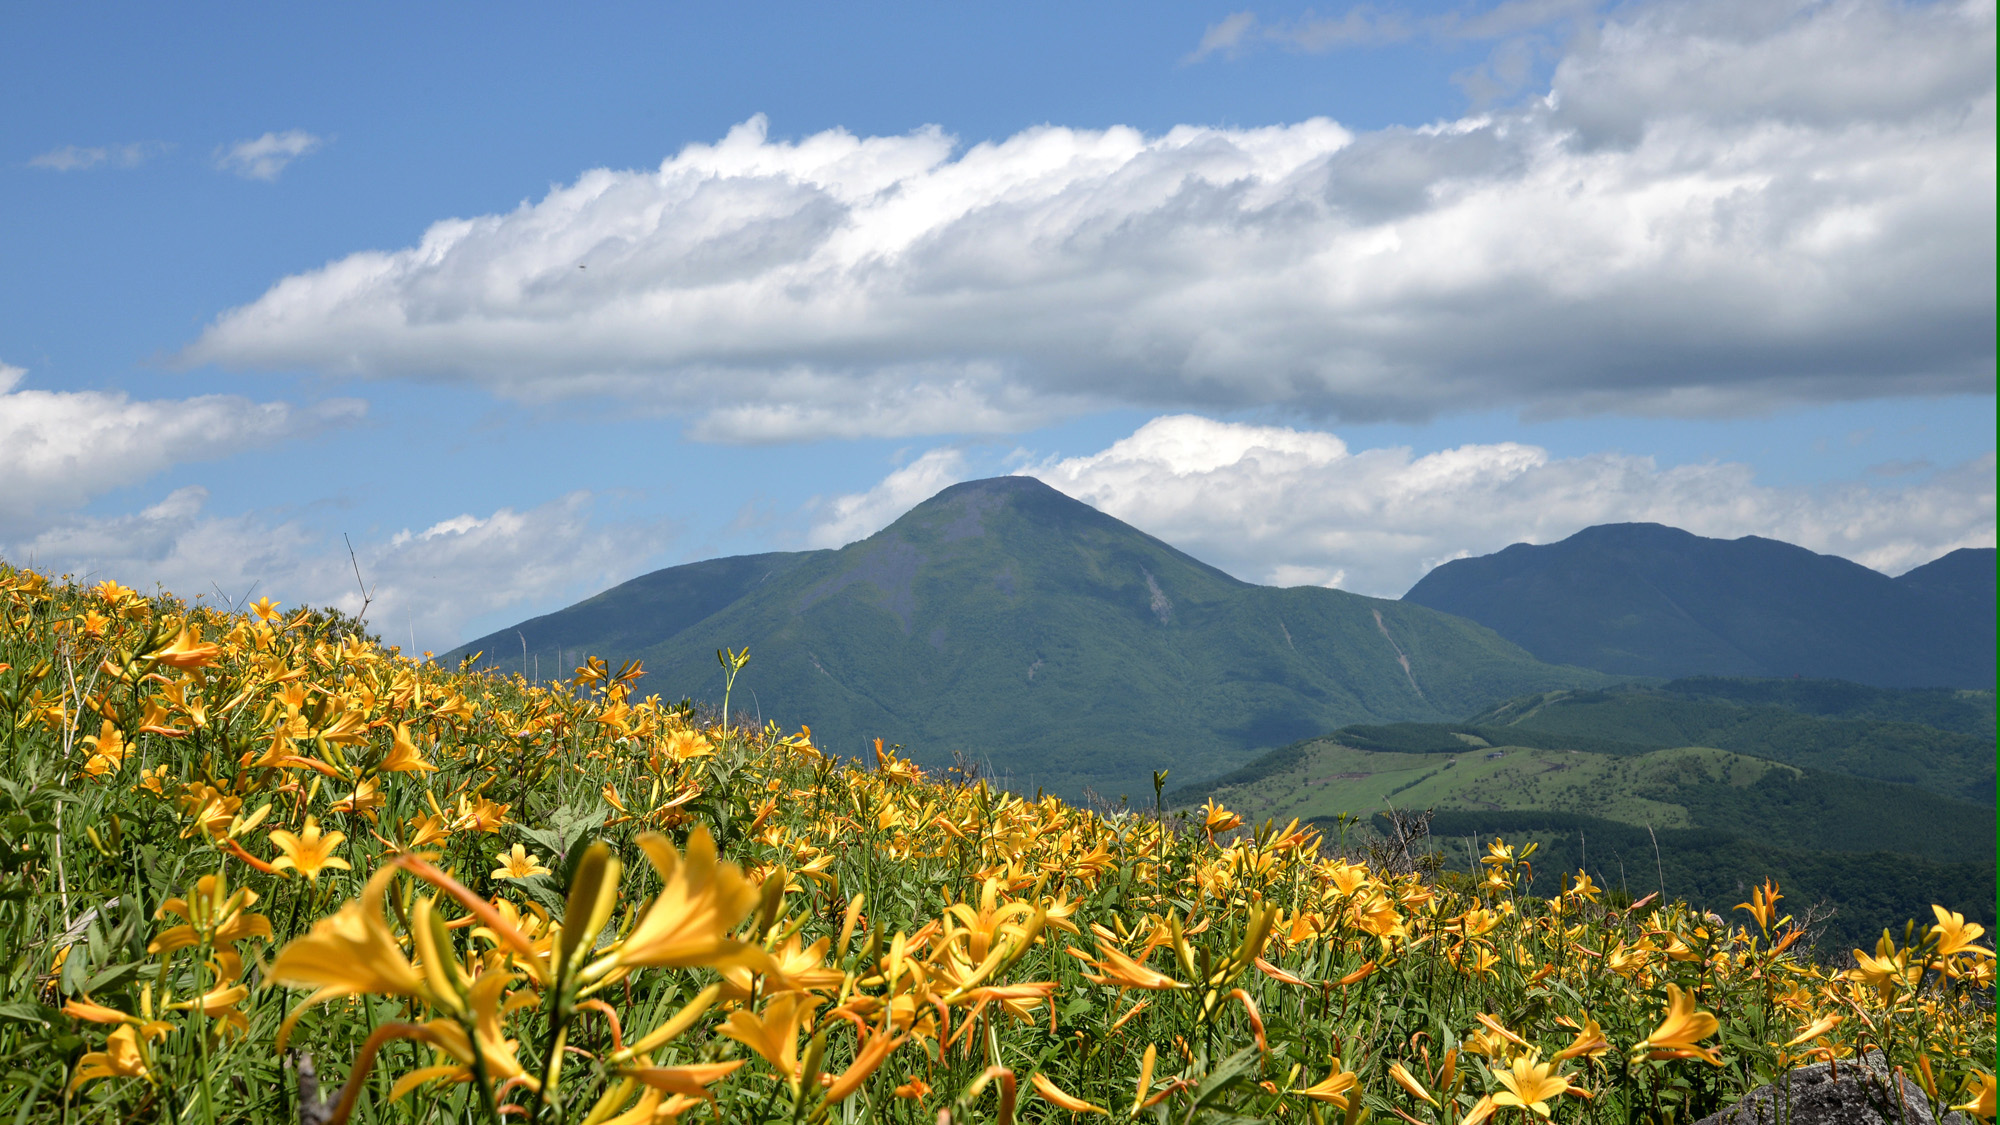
x=962 y=510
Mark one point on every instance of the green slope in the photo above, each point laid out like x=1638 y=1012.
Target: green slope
x=1056 y=646
x=1683 y=784
x=1949 y=762
x=1685 y=787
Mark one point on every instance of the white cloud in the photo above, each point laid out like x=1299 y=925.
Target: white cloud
x=76 y=158
x=1226 y=36
x=427 y=584
x=861 y=514
x=58 y=449
x=263 y=158
x=1717 y=209
x=1298 y=507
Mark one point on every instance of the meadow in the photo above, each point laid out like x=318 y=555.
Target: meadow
x=254 y=866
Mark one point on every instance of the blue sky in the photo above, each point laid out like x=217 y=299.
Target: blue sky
x=1322 y=295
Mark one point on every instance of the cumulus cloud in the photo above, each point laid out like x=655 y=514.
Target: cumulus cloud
x=1717 y=208
x=427 y=585
x=1291 y=507
x=76 y=158
x=58 y=449
x=263 y=158
x=858 y=515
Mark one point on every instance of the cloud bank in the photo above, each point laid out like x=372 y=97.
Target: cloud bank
x=427 y=585
x=1716 y=208
x=1291 y=507
x=59 y=449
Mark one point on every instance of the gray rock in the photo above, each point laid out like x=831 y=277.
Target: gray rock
x=1849 y=1092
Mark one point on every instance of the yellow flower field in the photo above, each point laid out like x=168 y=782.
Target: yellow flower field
x=252 y=859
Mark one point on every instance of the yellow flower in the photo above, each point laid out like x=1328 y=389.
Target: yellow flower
x=123 y=1056
x=109 y=750
x=1889 y=969
x=1529 y=1084
x=1953 y=933
x=1333 y=1088
x=1122 y=971
x=518 y=864
x=348 y=954
x=309 y=852
x=701 y=900
x=1981 y=1104
x=213 y=912
x=683 y=745
x=1057 y=1096
x=1763 y=904
x=404 y=756
x=1409 y=1082
x=1814 y=1030
x=1589 y=1043
x=775 y=1033
x=187 y=651
x=1682 y=1028
x=916 y=1089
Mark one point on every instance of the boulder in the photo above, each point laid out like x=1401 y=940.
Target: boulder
x=1849 y=1092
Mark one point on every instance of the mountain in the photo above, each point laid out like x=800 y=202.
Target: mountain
x=1640 y=599
x=1053 y=645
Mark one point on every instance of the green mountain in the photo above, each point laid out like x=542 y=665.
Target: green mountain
x=1049 y=643
x=1640 y=599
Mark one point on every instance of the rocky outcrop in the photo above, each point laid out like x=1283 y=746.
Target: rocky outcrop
x=1849 y=1092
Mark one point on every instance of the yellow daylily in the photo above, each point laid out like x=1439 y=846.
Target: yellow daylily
x=1333 y=1088
x=701 y=901
x=518 y=864
x=308 y=852
x=348 y=954
x=1589 y=1043
x=1981 y=1104
x=1058 y=1097
x=1680 y=1031
x=213 y=912
x=1955 y=935
x=774 y=1033
x=123 y=1056
x=1531 y=1084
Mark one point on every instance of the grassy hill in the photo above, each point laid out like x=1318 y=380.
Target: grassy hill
x=1703 y=789
x=1647 y=600
x=1949 y=762
x=1054 y=645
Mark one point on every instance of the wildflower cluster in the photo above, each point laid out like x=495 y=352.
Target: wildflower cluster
x=239 y=848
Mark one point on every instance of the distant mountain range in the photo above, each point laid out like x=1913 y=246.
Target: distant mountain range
x=1042 y=639
x=1640 y=599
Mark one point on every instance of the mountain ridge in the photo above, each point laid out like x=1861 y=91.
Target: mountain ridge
x=1048 y=641
x=1641 y=599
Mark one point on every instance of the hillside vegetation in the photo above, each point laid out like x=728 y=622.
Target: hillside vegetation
x=259 y=869
x=1061 y=649
x=1953 y=763
x=1725 y=789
